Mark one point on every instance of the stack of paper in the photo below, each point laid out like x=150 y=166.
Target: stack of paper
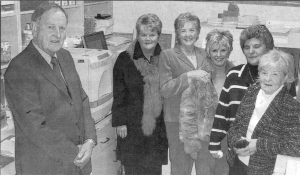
x=117 y=40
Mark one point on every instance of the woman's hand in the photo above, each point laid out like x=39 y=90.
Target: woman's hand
x=247 y=151
x=252 y=146
x=217 y=155
x=203 y=75
x=122 y=131
x=241 y=151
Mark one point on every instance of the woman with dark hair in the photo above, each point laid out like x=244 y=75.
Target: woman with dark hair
x=137 y=108
x=183 y=71
x=267 y=120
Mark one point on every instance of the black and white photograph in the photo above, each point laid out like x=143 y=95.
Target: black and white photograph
x=150 y=87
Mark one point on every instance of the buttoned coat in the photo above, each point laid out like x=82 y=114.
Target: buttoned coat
x=49 y=123
x=130 y=89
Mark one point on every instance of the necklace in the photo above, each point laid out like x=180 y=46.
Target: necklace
x=193 y=60
x=251 y=76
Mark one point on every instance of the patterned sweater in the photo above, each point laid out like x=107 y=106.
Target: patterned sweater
x=278 y=130
x=237 y=81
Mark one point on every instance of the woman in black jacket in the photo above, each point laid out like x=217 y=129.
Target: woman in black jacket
x=137 y=108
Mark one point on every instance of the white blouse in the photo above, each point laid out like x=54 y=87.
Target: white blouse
x=193 y=60
x=263 y=101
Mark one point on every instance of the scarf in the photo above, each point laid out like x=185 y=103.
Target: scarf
x=152 y=99
x=197 y=110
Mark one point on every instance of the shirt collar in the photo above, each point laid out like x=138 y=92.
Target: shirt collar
x=263 y=97
x=44 y=54
x=138 y=53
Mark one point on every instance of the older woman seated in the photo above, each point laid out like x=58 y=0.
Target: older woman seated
x=267 y=120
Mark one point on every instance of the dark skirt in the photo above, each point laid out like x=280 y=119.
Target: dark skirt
x=238 y=168
x=138 y=150
x=135 y=170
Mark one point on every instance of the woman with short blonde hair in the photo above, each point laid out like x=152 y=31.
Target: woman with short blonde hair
x=218 y=49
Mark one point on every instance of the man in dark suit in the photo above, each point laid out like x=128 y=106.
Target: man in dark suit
x=54 y=130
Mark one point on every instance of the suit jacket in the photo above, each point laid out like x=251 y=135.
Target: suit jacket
x=49 y=124
x=173 y=68
x=277 y=132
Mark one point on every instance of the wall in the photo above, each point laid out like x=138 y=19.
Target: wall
x=126 y=13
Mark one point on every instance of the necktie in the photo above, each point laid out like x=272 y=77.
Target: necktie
x=57 y=72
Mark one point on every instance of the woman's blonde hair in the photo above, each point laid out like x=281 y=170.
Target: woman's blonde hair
x=150 y=21
x=220 y=38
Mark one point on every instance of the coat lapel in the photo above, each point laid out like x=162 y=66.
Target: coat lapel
x=44 y=69
x=182 y=57
x=199 y=57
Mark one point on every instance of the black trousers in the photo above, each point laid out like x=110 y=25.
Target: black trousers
x=238 y=168
x=137 y=170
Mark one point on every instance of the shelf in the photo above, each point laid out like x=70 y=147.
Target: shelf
x=7 y=14
x=65 y=7
x=26 y=12
x=95 y=3
x=71 y=6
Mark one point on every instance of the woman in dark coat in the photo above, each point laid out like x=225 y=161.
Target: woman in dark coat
x=267 y=120
x=137 y=108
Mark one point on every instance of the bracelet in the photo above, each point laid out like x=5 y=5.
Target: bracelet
x=92 y=141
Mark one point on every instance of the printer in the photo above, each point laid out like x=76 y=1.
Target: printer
x=95 y=69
